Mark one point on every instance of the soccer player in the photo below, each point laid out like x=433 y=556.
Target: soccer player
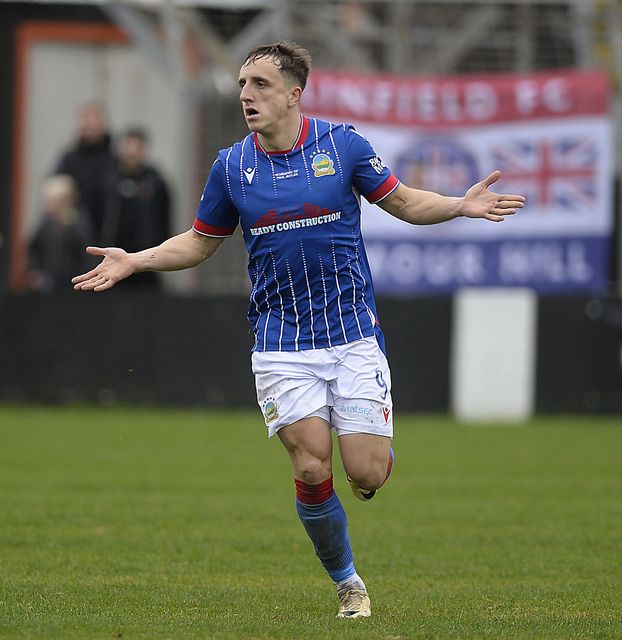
x=294 y=186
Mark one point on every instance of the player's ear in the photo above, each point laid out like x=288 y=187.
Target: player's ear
x=294 y=96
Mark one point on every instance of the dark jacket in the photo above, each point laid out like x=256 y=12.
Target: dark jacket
x=56 y=253
x=92 y=167
x=137 y=214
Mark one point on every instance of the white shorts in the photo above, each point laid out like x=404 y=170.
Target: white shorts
x=348 y=385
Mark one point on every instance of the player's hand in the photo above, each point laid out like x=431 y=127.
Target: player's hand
x=479 y=202
x=115 y=266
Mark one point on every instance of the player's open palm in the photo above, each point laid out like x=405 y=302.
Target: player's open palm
x=480 y=202
x=116 y=265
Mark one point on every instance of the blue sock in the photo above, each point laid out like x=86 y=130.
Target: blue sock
x=327 y=526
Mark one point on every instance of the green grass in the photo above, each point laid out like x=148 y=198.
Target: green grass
x=158 y=524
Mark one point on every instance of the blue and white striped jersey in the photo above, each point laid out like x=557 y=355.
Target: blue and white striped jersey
x=301 y=219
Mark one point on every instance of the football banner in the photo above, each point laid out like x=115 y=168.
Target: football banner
x=550 y=133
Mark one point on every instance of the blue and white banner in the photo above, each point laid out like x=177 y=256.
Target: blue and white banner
x=550 y=135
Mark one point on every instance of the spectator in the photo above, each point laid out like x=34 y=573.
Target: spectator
x=90 y=162
x=138 y=205
x=57 y=246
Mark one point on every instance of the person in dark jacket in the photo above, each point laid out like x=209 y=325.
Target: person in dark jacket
x=91 y=162
x=56 y=249
x=138 y=205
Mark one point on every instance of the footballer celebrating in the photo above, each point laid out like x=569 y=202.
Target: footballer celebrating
x=294 y=186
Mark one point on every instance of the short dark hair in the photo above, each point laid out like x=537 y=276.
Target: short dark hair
x=136 y=131
x=290 y=58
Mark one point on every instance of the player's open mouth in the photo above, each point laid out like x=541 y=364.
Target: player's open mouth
x=250 y=112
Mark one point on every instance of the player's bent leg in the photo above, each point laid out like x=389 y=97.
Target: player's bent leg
x=309 y=445
x=362 y=415
x=367 y=460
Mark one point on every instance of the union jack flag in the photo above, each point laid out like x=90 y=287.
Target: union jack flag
x=560 y=172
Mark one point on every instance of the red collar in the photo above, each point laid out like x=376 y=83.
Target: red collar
x=301 y=138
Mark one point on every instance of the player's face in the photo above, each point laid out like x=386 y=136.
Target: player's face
x=265 y=94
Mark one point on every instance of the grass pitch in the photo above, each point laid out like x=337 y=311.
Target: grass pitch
x=164 y=524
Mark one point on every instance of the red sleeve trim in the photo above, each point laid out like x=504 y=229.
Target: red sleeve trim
x=383 y=190
x=210 y=230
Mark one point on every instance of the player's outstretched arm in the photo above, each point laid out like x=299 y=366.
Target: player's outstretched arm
x=179 y=252
x=426 y=207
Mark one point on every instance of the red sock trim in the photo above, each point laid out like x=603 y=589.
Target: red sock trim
x=314 y=493
x=389 y=468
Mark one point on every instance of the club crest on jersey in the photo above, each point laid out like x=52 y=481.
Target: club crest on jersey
x=270 y=410
x=322 y=164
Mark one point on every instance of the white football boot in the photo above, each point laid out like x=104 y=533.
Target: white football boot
x=354 y=600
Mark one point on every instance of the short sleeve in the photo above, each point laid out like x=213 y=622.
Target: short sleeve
x=216 y=215
x=371 y=178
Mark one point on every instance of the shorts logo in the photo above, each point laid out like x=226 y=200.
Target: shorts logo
x=386 y=412
x=270 y=410
x=356 y=409
x=382 y=384
x=322 y=164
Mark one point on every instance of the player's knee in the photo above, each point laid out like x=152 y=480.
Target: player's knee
x=370 y=478
x=313 y=470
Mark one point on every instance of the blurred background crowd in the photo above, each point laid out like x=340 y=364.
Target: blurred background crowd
x=103 y=192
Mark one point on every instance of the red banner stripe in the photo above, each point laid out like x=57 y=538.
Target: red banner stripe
x=449 y=101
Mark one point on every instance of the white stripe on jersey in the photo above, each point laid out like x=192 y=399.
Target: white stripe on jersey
x=291 y=288
x=304 y=266
x=254 y=299
x=242 y=169
x=304 y=161
x=330 y=135
x=227 y=174
x=317 y=144
x=356 y=315
x=330 y=342
x=273 y=179
x=357 y=256
x=265 y=316
x=278 y=290
x=343 y=329
x=265 y=329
